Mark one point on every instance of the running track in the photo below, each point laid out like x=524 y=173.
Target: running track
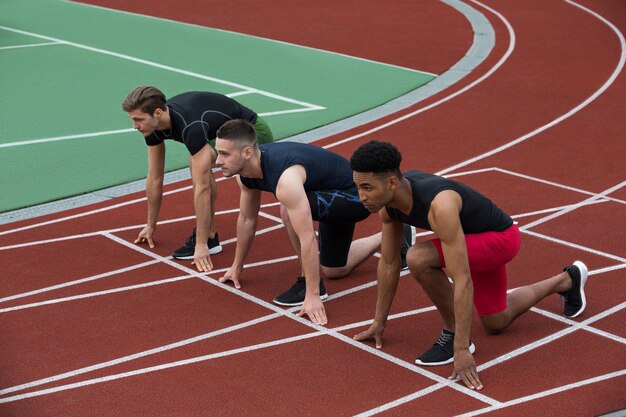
x=143 y=335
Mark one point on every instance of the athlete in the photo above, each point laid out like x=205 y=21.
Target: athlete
x=192 y=119
x=474 y=240
x=311 y=183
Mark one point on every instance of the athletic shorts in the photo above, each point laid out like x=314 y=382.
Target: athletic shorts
x=263 y=132
x=337 y=212
x=488 y=253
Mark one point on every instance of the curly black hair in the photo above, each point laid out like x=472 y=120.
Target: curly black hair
x=377 y=157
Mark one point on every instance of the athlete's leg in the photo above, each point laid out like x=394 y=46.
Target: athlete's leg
x=522 y=299
x=263 y=132
x=425 y=265
x=359 y=251
x=293 y=237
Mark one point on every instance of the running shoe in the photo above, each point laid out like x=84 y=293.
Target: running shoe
x=294 y=296
x=575 y=300
x=442 y=352
x=187 y=250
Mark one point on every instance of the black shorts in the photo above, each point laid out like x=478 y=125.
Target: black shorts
x=337 y=212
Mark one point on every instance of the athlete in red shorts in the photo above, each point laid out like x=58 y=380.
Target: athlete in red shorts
x=474 y=240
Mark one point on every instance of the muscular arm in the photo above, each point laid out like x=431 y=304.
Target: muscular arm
x=154 y=191
x=290 y=192
x=445 y=221
x=388 y=273
x=203 y=182
x=249 y=205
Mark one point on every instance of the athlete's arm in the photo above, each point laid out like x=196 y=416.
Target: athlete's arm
x=154 y=192
x=388 y=273
x=203 y=183
x=445 y=221
x=290 y=192
x=249 y=206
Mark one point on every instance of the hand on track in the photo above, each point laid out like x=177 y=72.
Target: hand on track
x=465 y=368
x=146 y=235
x=374 y=332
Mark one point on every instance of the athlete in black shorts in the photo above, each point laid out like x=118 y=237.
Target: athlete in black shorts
x=192 y=119
x=311 y=183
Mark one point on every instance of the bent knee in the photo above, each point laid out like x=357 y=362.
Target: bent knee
x=334 y=272
x=496 y=323
x=493 y=330
x=422 y=256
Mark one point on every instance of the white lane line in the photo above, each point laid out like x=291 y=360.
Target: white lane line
x=408 y=398
x=96 y=211
x=122 y=229
x=95 y=294
x=558 y=185
x=271 y=217
x=553 y=209
x=167 y=68
x=80 y=281
x=488 y=74
x=158 y=367
x=292 y=45
x=287 y=313
x=144 y=264
x=442 y=381
x=571 y=322
x=585 y=103
x=573 y=245
x=130 y=130
x=67 y=137
x=546 y=393
x=582 y=325
x=585 y=202
x=31 y=45
x=608 y=269
x=138 y=355
x=548 y=339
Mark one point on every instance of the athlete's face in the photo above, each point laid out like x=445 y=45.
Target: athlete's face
x=145 y=123
x=374 y=191
x=231 y=158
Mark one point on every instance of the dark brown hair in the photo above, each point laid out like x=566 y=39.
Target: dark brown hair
x=145 y=98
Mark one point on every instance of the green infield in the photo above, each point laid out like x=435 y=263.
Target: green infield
x=67 y=67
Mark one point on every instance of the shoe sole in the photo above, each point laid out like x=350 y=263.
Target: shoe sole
x=183 y=258
x=281 y=303
x=472 y=349
x=584 y=273
x=213 y=251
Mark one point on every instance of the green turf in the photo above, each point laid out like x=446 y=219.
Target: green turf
x=60 y=90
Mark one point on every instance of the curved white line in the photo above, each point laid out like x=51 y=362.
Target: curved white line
x=488 y=74
x=570 y=113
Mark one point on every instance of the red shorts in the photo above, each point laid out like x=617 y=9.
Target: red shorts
x=488 y=253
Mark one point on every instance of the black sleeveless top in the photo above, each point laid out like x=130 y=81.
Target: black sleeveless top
x=325 y=170
x=478 y=213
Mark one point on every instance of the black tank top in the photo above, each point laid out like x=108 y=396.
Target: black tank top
x=197 y=116
x=325 y=170
x=478 y=214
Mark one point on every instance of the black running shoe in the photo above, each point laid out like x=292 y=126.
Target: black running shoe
x=442 y=352
x=407 y=241
x=294 y=296
x=187 y=250
x=575 y=301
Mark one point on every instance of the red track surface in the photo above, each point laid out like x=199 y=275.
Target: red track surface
x=560 y=56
